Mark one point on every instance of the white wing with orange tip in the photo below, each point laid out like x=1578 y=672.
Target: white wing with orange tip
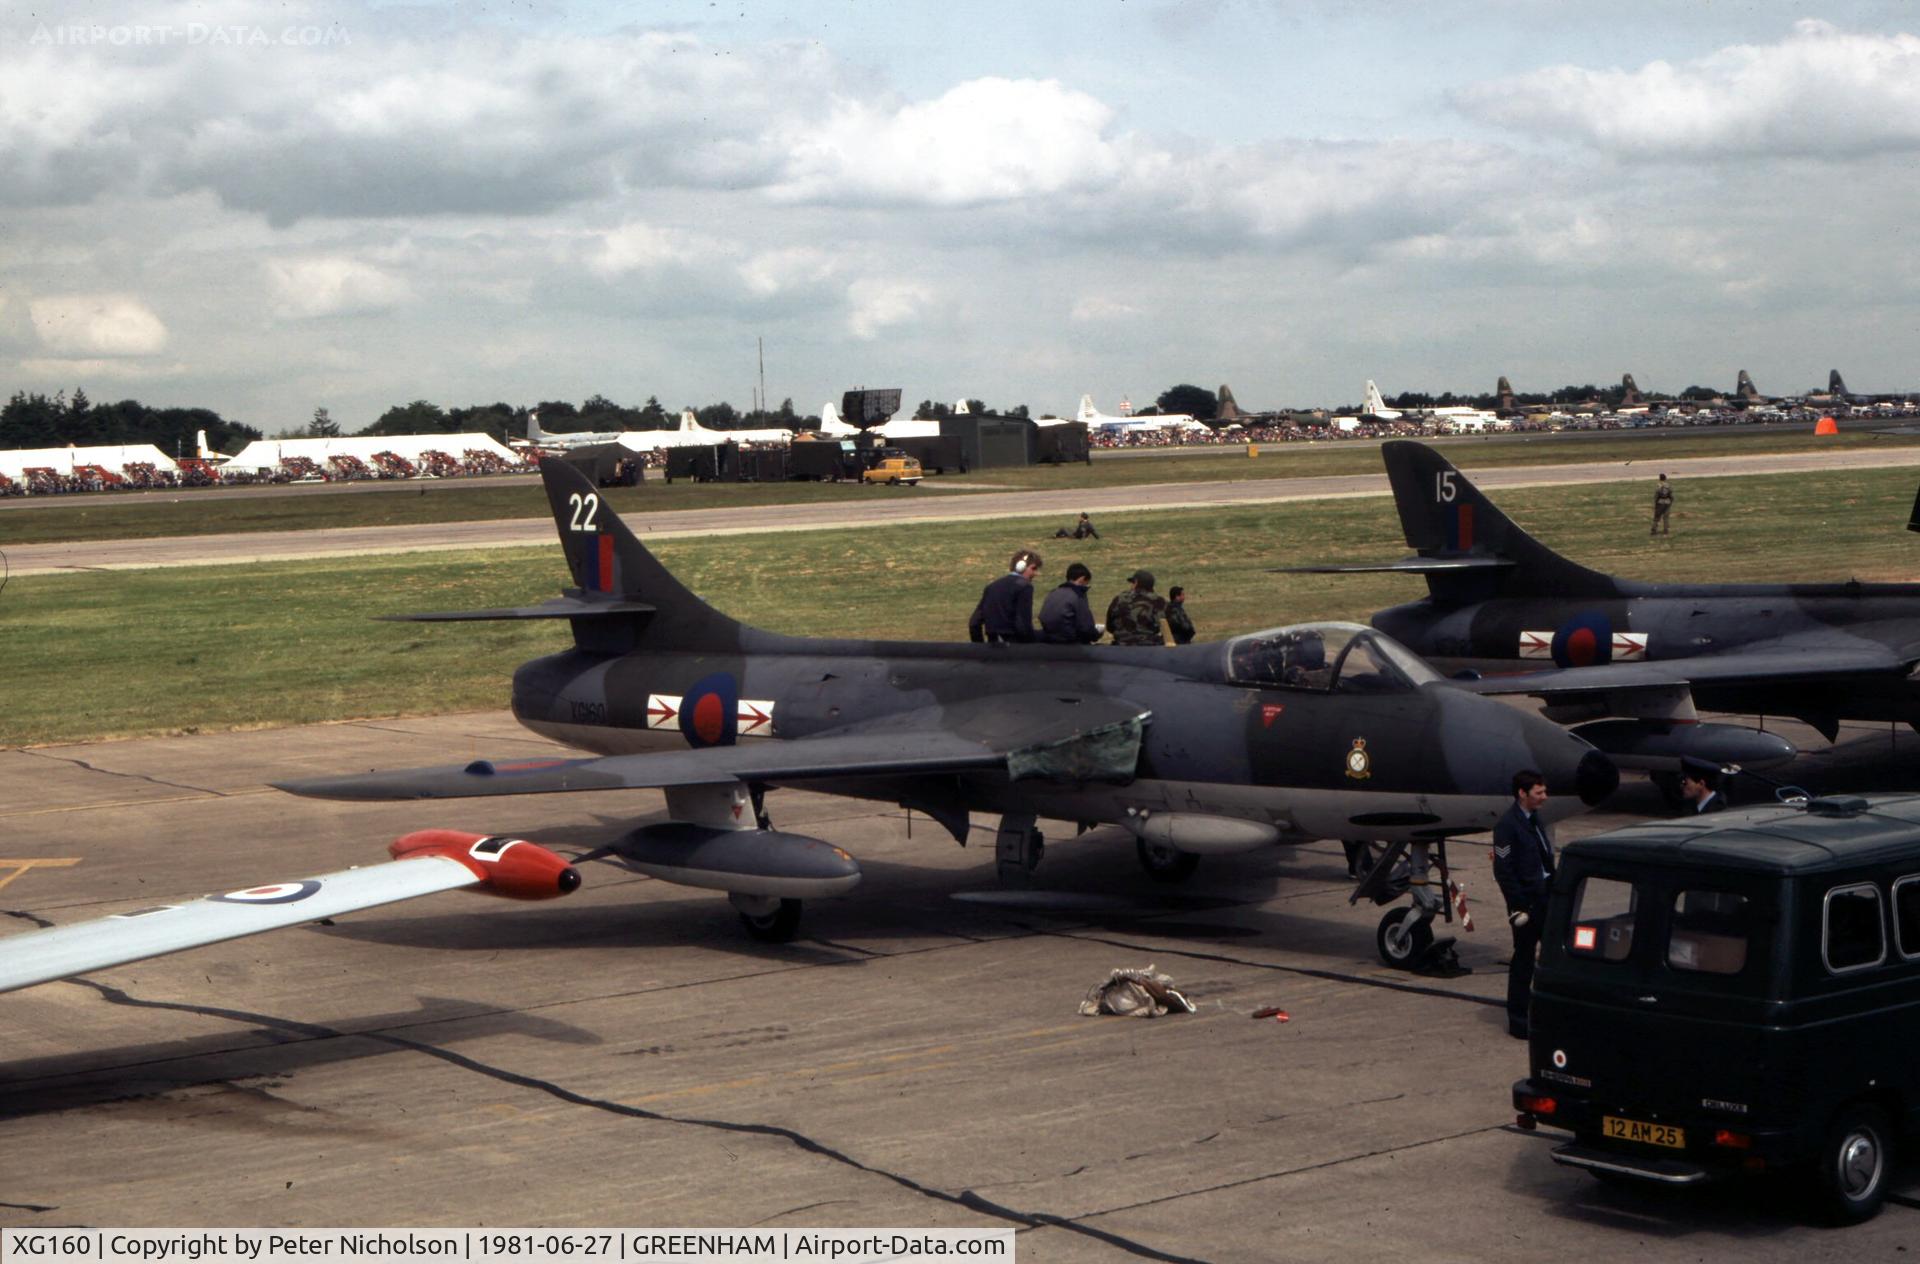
x=425 y=863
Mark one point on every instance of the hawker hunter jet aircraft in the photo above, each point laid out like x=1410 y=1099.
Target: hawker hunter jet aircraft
x=1316 y=731
x=1500 y=601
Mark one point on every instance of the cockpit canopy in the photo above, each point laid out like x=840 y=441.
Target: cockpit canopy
x=1347 y=657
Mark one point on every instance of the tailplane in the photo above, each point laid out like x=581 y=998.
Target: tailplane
x=1375 y=405
x=610 y=565
x=1468 y=549
x=1088 y=413
x=1746 y=389
x=1836 y=385
x=534 y=433
x=622 y=593
x=1629 y=393
x=1504 y=390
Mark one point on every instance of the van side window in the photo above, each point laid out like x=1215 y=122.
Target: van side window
x=1906 y=916
x=1603 y=913
x=1709 y=932
x=1854 y=937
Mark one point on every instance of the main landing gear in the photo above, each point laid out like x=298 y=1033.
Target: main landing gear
x=768 y=918
x=1405 y=938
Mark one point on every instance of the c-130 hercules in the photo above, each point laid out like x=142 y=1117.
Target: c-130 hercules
x=1314 y=731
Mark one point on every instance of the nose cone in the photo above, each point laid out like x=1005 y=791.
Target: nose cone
x=1488 y=741
x=1594 y=778
x=1572 y=767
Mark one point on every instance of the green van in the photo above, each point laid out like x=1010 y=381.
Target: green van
x=1735 y=992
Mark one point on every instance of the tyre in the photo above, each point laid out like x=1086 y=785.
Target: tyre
x=776 y=926
x=893 y=482
x=1164 y=863
x=1851 y=1166
x=1402 y=950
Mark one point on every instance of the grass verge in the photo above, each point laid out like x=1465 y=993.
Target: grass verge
x=128 y=653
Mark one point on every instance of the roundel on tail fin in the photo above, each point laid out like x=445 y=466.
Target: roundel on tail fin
x=1586 y=640
x=710 y=712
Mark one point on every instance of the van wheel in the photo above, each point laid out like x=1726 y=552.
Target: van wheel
x=1851 y=1165
x=893 y=482
x=1400 y=948
x=1164 y=863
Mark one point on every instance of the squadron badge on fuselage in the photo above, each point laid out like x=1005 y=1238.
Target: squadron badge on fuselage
x=1359 y=763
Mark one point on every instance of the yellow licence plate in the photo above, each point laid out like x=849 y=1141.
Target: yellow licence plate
x=1618 y=1129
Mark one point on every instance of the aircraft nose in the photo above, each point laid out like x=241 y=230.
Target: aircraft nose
x=1572 y=767
x=1489 y=741
x=1595 y=778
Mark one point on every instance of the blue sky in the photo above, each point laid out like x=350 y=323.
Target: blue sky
x=266 y=208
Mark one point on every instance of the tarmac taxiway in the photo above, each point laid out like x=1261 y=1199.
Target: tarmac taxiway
x=628 y=1057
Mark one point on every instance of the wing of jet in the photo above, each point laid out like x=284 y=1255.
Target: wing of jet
x=1780 y=662
x=1007 y=733
x=425 y=863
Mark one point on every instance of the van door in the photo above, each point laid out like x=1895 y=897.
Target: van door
x=1655 y=987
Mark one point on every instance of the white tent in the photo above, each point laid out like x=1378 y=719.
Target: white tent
x=267 y=454
x=63 y=461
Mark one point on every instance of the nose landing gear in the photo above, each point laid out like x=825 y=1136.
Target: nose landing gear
x=1405 y=938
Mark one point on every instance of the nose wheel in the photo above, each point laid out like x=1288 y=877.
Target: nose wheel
x=1404 y=938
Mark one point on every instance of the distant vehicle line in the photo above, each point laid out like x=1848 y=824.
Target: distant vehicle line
x=263 y=546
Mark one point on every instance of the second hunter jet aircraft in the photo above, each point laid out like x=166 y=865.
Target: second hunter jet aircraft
x=1500 y=601
x=1297 y=733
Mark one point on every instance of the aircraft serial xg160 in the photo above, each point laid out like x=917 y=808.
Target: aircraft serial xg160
x=1498 y=600
x=1297 y=733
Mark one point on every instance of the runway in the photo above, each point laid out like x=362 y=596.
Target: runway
x=628 y=1057
x=910 y=506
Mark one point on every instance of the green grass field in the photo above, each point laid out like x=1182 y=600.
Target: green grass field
x=125 y=653
x=214 y=512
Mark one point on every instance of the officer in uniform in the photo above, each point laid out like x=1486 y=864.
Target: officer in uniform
x=1662 y=508
x=1133 y=617
x=1523 y=866
x=1700 y=787
x=1005 y=612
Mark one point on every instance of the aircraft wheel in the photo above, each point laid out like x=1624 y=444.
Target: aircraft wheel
x=767 y=919
x=1852 y=1165
x=1164 y=863
x=1402 y=948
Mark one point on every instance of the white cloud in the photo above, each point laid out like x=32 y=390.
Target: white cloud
x=97 y=325
x=772 y=272
x=985 y=140
x=1094 y=308
x=333 y=286
x=1819 y=92
x=876 y=304
x=637 y=247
